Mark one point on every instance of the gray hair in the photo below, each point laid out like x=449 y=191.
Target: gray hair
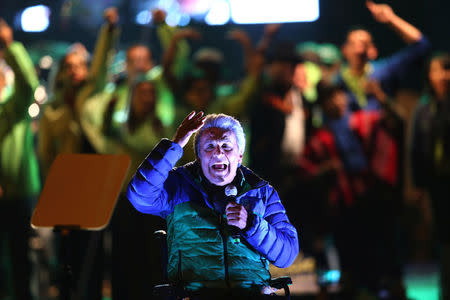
x=224 y=122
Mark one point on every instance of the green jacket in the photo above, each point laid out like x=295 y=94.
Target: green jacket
x=246 y=268
x=19 y=172
x=60 y=130
x=106 y=128
x=165 y=34
x=165 y=107
x=95 y=115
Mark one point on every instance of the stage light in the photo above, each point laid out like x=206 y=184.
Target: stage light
x=46 y=62
x=219 y=14
x=35 y=18
x=173 y=18
x=184 y=20
x=144 y=17
x=269 y=11
x=333 y=275
x=40 y=94
x=196 y=7
x=33 y=110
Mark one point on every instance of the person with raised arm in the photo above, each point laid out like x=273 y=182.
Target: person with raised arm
x=360 y=52
x=60 y=129
x=19 y=171
x=216 y=241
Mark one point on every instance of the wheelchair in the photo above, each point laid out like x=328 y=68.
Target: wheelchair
x=170 y=291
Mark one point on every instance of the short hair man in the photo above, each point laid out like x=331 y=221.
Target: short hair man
x=202 y=222
x=139 y=61
x=360 y=52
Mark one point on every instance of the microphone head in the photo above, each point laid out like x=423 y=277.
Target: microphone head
x=231 y=190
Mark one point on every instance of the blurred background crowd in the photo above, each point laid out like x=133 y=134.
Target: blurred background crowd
x=347 y=116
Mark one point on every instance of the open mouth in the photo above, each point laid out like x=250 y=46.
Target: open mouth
x=219 y=167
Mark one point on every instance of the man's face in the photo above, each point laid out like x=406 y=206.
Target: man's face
x=219 y=155
x=144 y=98
x=76 y=68
x=336 y=106
x=359 y=47
x=139 y=60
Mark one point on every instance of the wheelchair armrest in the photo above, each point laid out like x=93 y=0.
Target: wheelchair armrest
x=166 y=290
x=161 y=238
x=280 y=282
x=160 y=234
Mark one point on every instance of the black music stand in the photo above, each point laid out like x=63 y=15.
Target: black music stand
x=80 y=193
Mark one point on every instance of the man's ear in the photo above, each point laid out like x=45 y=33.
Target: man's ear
x=241 y=156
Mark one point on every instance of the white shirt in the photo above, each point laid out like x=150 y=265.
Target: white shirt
x=294 y=132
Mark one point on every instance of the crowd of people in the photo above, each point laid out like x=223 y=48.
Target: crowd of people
x=322 y=125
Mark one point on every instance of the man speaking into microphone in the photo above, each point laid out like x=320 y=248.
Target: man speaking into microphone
x=224 y=223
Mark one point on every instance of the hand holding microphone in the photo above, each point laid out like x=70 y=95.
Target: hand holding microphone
x=236 y=213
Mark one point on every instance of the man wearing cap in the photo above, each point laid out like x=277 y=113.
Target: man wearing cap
x=215 y=242
x=330 y=61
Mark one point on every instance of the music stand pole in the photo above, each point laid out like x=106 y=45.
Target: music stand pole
x=80 y=193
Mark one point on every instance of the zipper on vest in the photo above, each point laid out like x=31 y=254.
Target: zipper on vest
x=225 y=251
x=179 y=271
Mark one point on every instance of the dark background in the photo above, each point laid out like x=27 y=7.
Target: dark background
x=336 y=17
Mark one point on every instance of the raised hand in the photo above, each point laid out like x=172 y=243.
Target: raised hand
x=382 y=13
x=271 y=29
x=111 y=15
x=190 y=125
x=236 y=215
x=240 y=36
x=6 y=34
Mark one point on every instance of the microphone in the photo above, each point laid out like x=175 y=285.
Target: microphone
x=231 y=193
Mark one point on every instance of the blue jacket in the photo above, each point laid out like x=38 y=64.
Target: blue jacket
x=159 y=189
x=392 y=73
